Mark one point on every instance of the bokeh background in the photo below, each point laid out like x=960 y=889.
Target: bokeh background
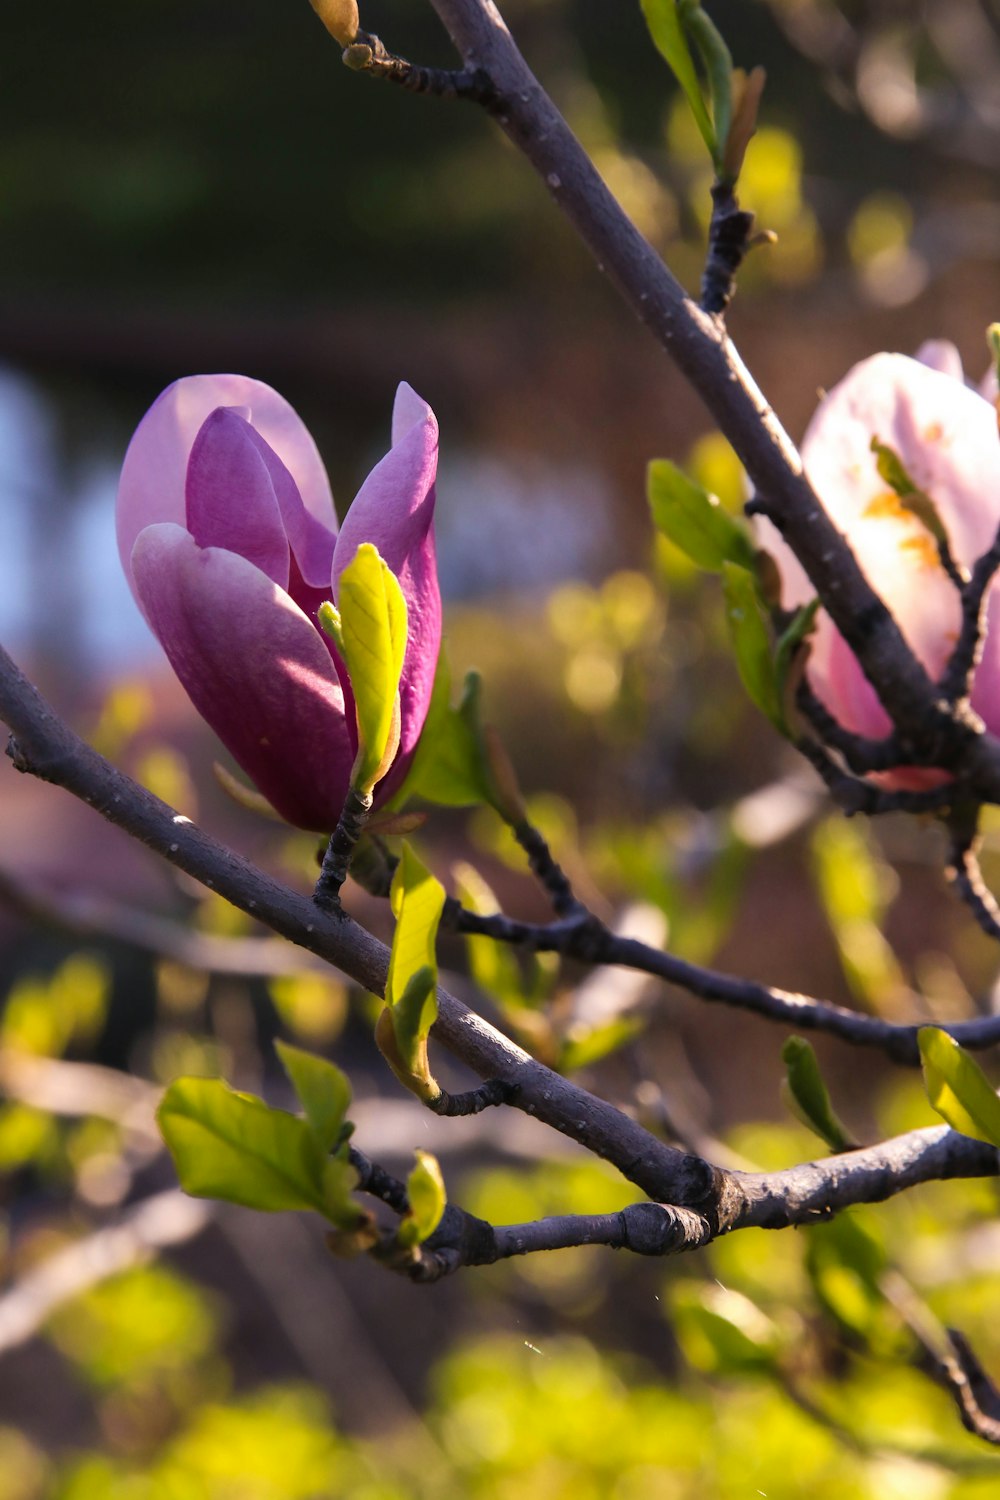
x=195 y=187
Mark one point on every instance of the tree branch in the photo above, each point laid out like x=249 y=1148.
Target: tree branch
x=47 y=748
x=698 y=343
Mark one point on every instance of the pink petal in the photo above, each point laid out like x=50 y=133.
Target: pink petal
x=153 y=475
x=230 y=497
x=254 y=668
x=394 y=509
x=944 y=433
x=941 y=355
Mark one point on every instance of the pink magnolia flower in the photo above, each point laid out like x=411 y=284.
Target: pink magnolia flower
x=229 y=541
x=945 y=435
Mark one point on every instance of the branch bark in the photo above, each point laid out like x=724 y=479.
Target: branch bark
x=934 y=730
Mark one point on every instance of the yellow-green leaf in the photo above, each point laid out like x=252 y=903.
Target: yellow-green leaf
x=323 y=1090
x=426 y=1191
x=373 y=635
x=235 y=1147
x=417 y=899
x=957 y=1086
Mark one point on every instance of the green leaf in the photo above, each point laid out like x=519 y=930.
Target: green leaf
x=324 y=1091
x=426 y=1192
x=718 y=64
x=413 y=1015
x=806 y=1095
x=373 y=636
x=912 y=498
x=694 y=520
x=235 y=1147
x=751 y=638
x=957 y=1086
x=791 y=638
x=663 y=17
x=417 y=899
x=450 y=766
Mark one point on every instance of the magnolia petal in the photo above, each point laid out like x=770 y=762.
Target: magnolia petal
x=394 y=509
x=944 y=433
x=408 y=410
x=153 y=475
x=941 y=355
x=311 y=541
x=230 y=499
x=254 y=668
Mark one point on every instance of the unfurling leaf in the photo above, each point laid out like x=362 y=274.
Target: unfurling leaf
x=663 y=17
x=957 y=1086
x=694 y=520
x=426 y=1192
x=370 y=630
x=417 y=900
x=806 y=1095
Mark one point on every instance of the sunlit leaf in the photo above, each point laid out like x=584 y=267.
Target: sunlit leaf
x=370 y=630
x=806 y=1094
x=426 y=1191
x=417 y=900
x=323 y=1090
x=957 y=1086
x=694 y=520
x=234 y=1146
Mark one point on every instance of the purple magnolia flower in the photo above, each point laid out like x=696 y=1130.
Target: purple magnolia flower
x=229 y=541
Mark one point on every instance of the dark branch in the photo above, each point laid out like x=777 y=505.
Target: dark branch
x=369 y=54
x=698 y=343
x=343 y=842
x=965 y=874
x=956 y=683
x=46 y=747
x=729 y=234
x=588 y=940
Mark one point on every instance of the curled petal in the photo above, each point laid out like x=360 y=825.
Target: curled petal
x=230 y=497
x=152 y=485
x=394 y=509
x=254 y=668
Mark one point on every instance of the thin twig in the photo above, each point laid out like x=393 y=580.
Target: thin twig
x=956 y=681
x=965 y=874
x=369 y=54
x=343 y=842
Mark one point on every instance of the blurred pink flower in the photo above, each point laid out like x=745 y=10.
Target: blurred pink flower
x=229 y=541
x=945 y=435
